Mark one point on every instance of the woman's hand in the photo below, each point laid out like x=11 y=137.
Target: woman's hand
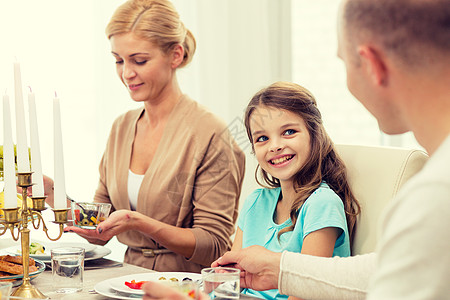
x=91 y=235
x=117 y=222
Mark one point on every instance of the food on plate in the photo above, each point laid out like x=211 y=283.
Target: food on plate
x=186 y=286
x=16 y=259
x=36 y=248
x=16 y=267
x=171 y=279
x=135 y=285
x=4 y=275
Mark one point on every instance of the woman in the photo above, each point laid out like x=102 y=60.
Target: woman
x=171 y=170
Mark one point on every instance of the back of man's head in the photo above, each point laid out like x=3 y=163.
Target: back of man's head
x=416 y=32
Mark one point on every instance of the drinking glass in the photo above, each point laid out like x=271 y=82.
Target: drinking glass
x=221 y=282
x=5 y=290
x=67 y=269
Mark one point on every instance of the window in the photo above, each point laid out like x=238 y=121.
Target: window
x=317 y=67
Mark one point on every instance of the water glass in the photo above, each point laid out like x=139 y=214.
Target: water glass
x=221 y=282
x=67 y=269
x=5 y=290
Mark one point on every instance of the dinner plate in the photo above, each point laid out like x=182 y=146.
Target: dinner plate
x=104 y=289
x=118 y=283
x=17 y=279
x=45 y=257
x=97 y=253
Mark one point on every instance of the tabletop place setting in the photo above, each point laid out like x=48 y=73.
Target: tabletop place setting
x=219 y=283
x=62 y=268
x=19 y=212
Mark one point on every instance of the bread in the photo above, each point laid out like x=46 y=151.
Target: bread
x=12 y=265
x=16 y=259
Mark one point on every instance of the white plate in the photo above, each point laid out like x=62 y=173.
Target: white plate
x=45 y=257
x=18 y=278
x=98 y=252
x=118 y=284
x=104 y=289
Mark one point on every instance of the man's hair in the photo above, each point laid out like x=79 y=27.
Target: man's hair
x=414 y=31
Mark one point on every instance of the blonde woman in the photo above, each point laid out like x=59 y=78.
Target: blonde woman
x=171 y=171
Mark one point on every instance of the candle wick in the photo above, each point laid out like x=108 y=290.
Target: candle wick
x=56 y=95
x=30 y=89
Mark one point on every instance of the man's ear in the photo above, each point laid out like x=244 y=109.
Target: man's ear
x=374 y=64
x=177 y=55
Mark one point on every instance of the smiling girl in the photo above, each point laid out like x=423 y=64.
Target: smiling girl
x=306 y=205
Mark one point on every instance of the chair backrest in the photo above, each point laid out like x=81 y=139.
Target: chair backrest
x=375 y=175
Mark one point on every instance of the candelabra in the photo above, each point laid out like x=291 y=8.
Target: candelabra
x=17 y=219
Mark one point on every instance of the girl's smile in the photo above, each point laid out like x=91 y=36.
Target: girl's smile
x=281 y=160
x=281 y=141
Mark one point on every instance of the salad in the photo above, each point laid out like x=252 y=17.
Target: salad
x=186 y=286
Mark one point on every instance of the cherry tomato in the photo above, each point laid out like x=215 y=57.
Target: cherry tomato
x=135 y=285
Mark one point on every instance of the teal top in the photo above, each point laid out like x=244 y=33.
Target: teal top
x=322 y=209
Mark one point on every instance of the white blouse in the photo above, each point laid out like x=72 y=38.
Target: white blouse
x=134 y=184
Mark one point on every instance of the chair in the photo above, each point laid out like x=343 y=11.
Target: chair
x=375 y=175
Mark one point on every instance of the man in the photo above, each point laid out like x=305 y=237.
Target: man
x=397 y=56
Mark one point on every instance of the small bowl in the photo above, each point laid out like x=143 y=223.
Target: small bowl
x=88 y=214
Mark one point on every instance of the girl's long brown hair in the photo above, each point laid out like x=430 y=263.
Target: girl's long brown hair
x=323 y=164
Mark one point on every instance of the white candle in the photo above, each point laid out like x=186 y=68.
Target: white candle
x=23 y=162
x=60 y=186
x=38 y=187
x=9 y=170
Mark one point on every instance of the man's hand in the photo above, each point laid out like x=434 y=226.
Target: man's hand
x=259 y=267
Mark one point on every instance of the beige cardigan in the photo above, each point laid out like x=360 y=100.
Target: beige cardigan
x=194 y=181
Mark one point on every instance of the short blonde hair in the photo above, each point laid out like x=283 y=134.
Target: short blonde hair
x=156 y=21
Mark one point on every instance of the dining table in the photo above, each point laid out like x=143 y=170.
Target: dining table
x=95 y=271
